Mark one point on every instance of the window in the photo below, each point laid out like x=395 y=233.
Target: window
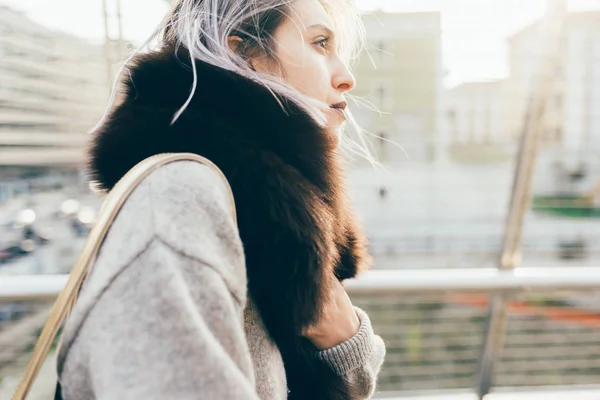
x=384 y=55
x=383 y=96
x=381 y=51
x=558 y=72
x=382 y=146
x=472 y=132
x=452 y=116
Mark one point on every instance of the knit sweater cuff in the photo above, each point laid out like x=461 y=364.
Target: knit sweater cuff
x=354 y=352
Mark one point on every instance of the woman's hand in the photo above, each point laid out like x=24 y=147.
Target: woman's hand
x=338 y=322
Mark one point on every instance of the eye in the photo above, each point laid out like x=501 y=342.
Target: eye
x=322 y=42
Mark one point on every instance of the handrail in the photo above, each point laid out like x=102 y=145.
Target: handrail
x=482 y=280
x=31 y=287
x=487 y=280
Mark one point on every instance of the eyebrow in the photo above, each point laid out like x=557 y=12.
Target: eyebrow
x=327 y=29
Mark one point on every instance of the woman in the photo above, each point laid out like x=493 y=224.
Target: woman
x=182 y=303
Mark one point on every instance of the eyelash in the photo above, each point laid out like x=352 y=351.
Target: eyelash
x=322 y=43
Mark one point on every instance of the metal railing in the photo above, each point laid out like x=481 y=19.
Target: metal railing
x=435 y=325
x=405 y=281
x=433 y=322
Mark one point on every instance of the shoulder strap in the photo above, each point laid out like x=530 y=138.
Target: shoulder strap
x=110 y=208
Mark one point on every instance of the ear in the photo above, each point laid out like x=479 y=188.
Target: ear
x=234 y=43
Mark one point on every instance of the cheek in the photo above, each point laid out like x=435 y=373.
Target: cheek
x=306 y=71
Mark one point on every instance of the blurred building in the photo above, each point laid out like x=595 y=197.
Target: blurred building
x=405 y=84
x=53 y=88
x=526 y=55
x=478 y=121
x=581 y=77
x=477 y=113
x=572 y=121
x=420 y=210
x=573 y=112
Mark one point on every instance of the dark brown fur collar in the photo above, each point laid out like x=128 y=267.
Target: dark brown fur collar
x=293 y=219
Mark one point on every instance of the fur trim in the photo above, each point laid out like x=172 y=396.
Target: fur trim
x=293 y=218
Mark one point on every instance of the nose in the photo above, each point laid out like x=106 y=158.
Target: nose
x=342 y=79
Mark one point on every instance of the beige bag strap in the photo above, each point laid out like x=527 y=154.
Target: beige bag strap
x=110 y=208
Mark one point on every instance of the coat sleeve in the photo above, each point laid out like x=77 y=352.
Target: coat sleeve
x=169 y=324
x=359 y=359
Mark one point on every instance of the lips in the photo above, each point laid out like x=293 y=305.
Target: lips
x=340 y=107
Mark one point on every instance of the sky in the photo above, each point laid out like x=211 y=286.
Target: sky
x=473 y=39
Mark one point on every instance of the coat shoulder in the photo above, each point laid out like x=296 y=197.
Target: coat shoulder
x=185 y=205
x=189 y=203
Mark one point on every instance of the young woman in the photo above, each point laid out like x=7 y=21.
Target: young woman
x=182 y=302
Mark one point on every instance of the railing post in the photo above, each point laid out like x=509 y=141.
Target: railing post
x=533 y=124
x=107 y=47
x=493 y=343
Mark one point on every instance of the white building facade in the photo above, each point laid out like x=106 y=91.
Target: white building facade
x=53 y=88
x=571 y=134
x=477 y=113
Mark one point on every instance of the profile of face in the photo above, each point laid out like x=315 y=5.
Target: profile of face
x=308 y=59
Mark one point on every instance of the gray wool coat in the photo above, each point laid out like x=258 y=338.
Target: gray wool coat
x=165 y=314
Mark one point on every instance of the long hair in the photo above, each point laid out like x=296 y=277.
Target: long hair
x=204 y=27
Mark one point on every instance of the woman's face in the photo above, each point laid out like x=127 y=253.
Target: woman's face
x=306 y=49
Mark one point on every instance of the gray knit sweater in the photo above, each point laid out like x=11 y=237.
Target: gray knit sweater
x=165 y=314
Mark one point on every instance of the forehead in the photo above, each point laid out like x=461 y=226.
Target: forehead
x=306 y=13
